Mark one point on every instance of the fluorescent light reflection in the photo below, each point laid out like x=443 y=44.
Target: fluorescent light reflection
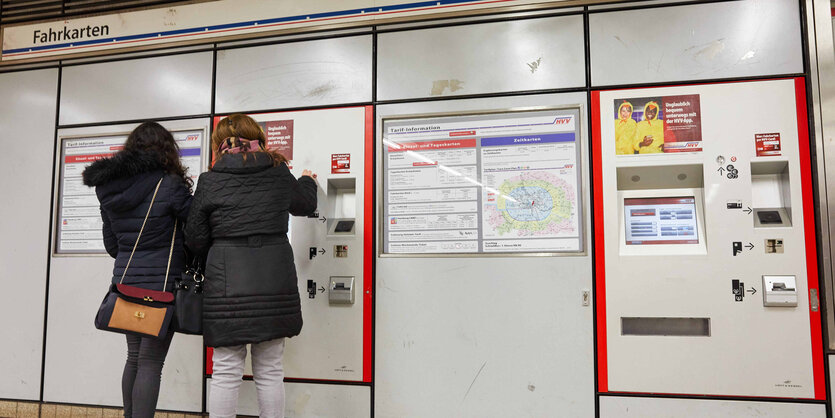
x=450 y=170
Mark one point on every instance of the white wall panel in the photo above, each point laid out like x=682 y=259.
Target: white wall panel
x=148 y=88
x=27 y=123
x=311 y=73
x=623 y=407
x=485 y=336
x=84 y=365
x=304 y=400
x=716 y=40
x=483 y=58
x=831 y=360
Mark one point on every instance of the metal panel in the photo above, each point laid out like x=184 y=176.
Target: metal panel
x=484 y=58
x=498 y=338
x=304 y=400
x=822 y=69
x=298 y=74
x=147 y=88
x=704 y=41
x=27 y=118
x=623 y=407
x=77 y=352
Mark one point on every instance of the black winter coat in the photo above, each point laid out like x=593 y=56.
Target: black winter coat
x=124 y=185
x=239 y=218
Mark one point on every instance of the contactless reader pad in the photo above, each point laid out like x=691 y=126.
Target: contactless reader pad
x=344 y=226
x=769 y=217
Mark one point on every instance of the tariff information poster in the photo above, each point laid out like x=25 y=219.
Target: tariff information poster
x=490 y=183
x=79 y=220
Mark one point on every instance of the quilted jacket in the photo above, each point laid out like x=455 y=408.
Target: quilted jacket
x=239 y=219
x=125 y=184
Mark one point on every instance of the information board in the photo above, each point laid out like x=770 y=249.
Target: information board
x=79 y=224
x=504 y=182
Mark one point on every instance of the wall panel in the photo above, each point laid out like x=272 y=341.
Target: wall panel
x=482 y=58
x=485 y=336
x=309 y=400
x=84 y=365
x=623 y=407
x=27 y=123
x=704 y=41
x=298 y=74
x=148 y=88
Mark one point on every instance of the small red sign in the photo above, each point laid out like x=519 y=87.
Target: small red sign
x=768 y=145
x=340 y=163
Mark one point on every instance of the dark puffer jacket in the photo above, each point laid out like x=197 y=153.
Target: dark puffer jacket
x=124 y=185
x=239 y=218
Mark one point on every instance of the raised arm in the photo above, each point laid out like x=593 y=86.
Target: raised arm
x=303 y=194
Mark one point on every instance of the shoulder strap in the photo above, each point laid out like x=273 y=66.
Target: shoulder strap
x=170 y=252
x=140 y=235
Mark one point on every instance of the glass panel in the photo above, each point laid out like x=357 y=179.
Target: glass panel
x=484 y=58
x=704 y=41
x=176 y=85
x=295 y=74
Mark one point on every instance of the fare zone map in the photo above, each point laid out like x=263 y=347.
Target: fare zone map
x=501 y=183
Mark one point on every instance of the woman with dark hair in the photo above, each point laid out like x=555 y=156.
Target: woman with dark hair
x=250 y=294
x=148 y=166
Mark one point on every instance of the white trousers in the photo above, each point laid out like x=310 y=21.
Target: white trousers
x=266 y=369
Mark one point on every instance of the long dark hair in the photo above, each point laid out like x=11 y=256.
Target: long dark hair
x=151 y=137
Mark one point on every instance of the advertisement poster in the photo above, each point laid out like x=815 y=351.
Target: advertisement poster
x=79 y=220
x=279 y=136
x=491 y=183
x=654 y=125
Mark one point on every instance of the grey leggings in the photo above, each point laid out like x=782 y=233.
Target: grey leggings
x=143 y=372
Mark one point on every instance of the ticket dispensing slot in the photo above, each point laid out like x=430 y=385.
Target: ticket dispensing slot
x=342 y=204
x=771 y=194
x=661 y=210
x=780 y=291
x=341 y=290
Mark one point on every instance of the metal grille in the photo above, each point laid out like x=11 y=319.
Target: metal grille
x=20 y=11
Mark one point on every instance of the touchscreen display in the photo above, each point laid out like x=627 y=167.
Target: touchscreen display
x=661 y=220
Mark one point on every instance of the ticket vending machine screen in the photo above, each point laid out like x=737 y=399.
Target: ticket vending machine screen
x=661 y=220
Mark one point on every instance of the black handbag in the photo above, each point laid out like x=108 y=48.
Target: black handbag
x=188 y=299
x=134 y=310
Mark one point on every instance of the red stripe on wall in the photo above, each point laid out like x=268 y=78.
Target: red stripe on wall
x=599 y=245
x=368 y=249
x=811 y=237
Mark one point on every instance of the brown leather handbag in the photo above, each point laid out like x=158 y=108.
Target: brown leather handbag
x=134 y=310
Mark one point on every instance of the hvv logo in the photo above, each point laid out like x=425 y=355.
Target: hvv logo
x=192 y=138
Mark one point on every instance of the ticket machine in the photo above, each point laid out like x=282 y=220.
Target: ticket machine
x=333 y=255
x=705 y=241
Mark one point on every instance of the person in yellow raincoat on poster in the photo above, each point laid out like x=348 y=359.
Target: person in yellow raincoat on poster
x=650 y=131
x=625 y=129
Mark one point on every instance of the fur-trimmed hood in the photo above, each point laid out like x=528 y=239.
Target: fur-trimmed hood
x=124 y=164
x=125 y=180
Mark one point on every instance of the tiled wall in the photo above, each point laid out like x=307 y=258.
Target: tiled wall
x=11 y=409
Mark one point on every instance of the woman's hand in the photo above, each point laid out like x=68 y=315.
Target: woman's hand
x=309 y=174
